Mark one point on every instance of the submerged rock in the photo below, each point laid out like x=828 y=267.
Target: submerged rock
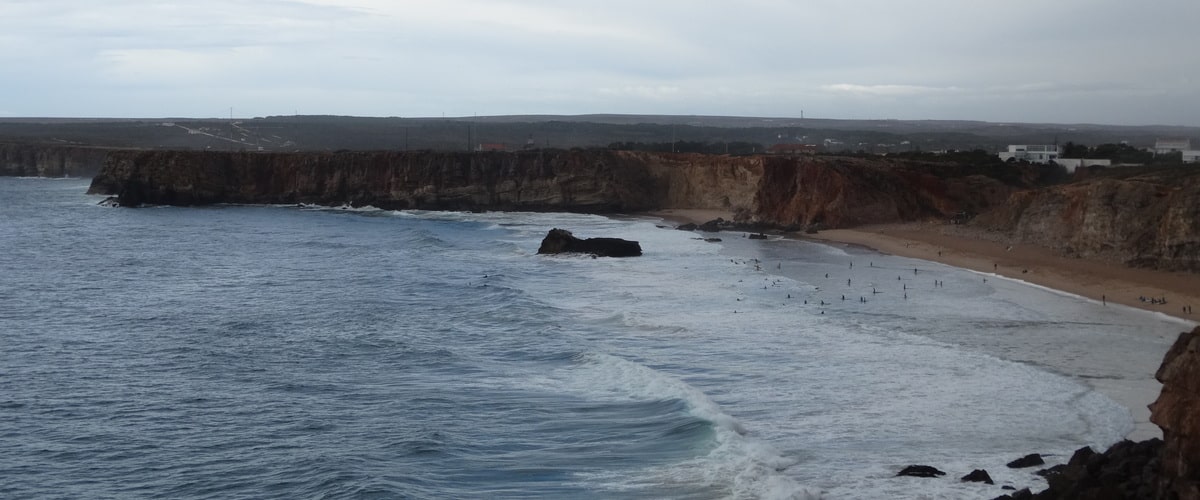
x=920 y=471
x=562 y=241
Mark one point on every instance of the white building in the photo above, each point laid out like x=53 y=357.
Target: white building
x=1032 y=153
x=1162 y=146
x=1191 y=156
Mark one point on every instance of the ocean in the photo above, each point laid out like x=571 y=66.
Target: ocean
x=308 y=352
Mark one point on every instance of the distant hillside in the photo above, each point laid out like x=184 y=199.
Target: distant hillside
x=332 y=133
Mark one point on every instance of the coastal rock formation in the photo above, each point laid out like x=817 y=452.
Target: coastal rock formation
x=34 y=160
x=1125 y=470
x=1154 y=469
x=1150 y=220
x=920 y=471
x=1177 y=412
x=839 y=192
x=1141 y=220
x=562 y=241
x=594 y=181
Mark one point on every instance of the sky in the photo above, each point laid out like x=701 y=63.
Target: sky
x=1040 y=61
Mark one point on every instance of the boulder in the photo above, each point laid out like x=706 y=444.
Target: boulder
x=1029 y=460
x=562 y=241
x=687 y=227
x=978 y=476
x=920 y=471
x=1126 y=470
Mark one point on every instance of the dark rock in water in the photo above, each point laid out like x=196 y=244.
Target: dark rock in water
x=1023 y=494
x=978 y=476
x=712 y=226
x=687 y=227
x=111 y=201
x=712 y=240
x=1007 y=487
x=758 y=236
x=1126 y=470
x=920 y=471
x=1029 y=460
x=562 y=241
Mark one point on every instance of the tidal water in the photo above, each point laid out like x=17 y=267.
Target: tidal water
x=302 y=352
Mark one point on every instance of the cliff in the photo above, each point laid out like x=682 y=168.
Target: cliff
x=1177 y=412
x=772 y=191
x=1166 y=469
x=839 y=192
x=33 y=160
x=581 y=181
x=1137 y=217
x=1146 y=219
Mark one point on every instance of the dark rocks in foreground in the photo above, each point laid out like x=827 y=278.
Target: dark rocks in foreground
x=562 y=241
x=1126 y=470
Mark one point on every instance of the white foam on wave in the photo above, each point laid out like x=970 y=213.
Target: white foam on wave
x=746 y=466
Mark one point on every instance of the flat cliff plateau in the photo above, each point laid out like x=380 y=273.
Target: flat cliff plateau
x=37 y=160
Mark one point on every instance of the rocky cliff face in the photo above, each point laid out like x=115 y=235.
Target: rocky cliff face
x=1177 y=412
x=838 y=192
x=32 y=160
x=1142 y=221
x=1146 y=220
x=584 y=181
x=773 y=191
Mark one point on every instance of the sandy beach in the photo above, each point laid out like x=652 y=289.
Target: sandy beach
x=969 y=248
x=1106 y=282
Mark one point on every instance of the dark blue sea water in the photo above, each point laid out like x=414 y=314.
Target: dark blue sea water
x=290 y=352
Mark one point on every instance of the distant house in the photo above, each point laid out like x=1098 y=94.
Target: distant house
x=491 y=146
x=1032 y=153
x=1073 y=164
x=1163 y=146
x=1191 y=156
x=792 y=149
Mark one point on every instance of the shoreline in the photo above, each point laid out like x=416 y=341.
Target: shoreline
x=977 y=250
x=1104 y=283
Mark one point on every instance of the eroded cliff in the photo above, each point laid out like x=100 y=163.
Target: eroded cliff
x=1148 y=220
x=1144 y=220
x=1177 y=412
x=583 y=181
x=34 y=160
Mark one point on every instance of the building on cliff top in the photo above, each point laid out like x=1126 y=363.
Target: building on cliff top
x=1163 y=146
x=491 y=146
x=1032 y=153
x=793 y=149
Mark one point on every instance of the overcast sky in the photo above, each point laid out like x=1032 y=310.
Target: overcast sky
x=1058 y=61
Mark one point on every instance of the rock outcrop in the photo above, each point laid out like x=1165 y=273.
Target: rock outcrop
x=594 y=181
x=1167 y=469
x=1151 y=221
x=1177 y=412
x=1142 y=220
x=34 y=160
x=562 y=241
